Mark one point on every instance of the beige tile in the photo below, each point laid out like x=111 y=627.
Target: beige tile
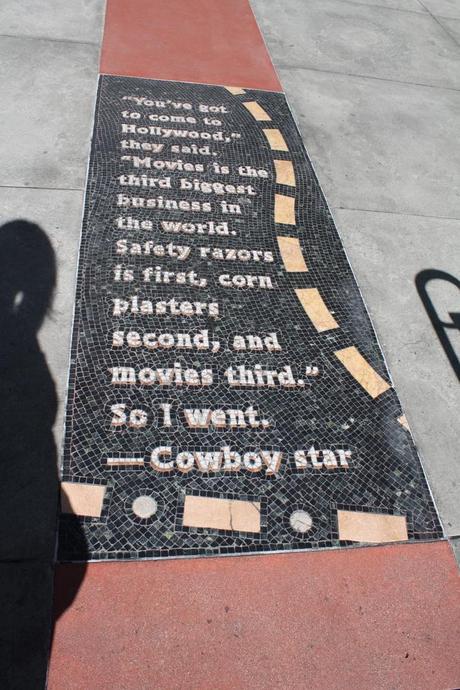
x=275 y=140
x=291 y=253
x=235 y=90
x=284 y=173
x=362 y=371
x=82 y=499
x=257 y=111
x=403 y=421
x=284 y=209
x=372 y=528
x=222 y=513
x=316 y=310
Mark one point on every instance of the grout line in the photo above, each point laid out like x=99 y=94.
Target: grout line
x=53 y=189
x=398 y=9
x=425 y=12
x=443 y=28
x=383 y=7
x=51 y=40
x=395 y=213
x=366 y=76
x=443 y=16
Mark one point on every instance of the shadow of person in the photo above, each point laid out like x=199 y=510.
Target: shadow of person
x=28 y=459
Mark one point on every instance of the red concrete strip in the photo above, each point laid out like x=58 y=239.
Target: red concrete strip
x=380 y=618
x=203 y=41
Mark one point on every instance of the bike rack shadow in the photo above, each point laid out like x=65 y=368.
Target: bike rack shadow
x=441 y=327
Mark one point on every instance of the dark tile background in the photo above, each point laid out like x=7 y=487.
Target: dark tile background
x=332 y=412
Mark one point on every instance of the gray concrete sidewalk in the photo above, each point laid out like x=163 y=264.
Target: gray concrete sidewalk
x=375 y=87
x=48 y=73
x=49 y=58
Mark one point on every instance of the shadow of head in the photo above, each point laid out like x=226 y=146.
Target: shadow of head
x=29 y=481
x=28 y=459
x=27 y=280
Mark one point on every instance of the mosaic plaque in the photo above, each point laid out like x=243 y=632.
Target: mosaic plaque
x=227 y=393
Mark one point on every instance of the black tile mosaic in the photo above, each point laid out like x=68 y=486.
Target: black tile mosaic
x=197 y=370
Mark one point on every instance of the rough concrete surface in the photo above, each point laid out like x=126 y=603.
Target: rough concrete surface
x=48 y=91
x=379 y=145
x=452 y=26
x=387 y=251
x=351 y=38
x=79 y=20
x=385 y=156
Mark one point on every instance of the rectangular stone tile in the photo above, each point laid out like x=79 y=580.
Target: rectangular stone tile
x=257 y=111
x=275 y=140
x=221 y=513
x=48 y=91
x=379 y=145
x=58 y=214
x=291 y=254
x=79 y=20
x=284 y=209
x=371 y=528
x=82 y=499
x=362 y=372
x=235 y=90
x=387 y=251
x=352 y=38
x=316 y=309
x=284 y=173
